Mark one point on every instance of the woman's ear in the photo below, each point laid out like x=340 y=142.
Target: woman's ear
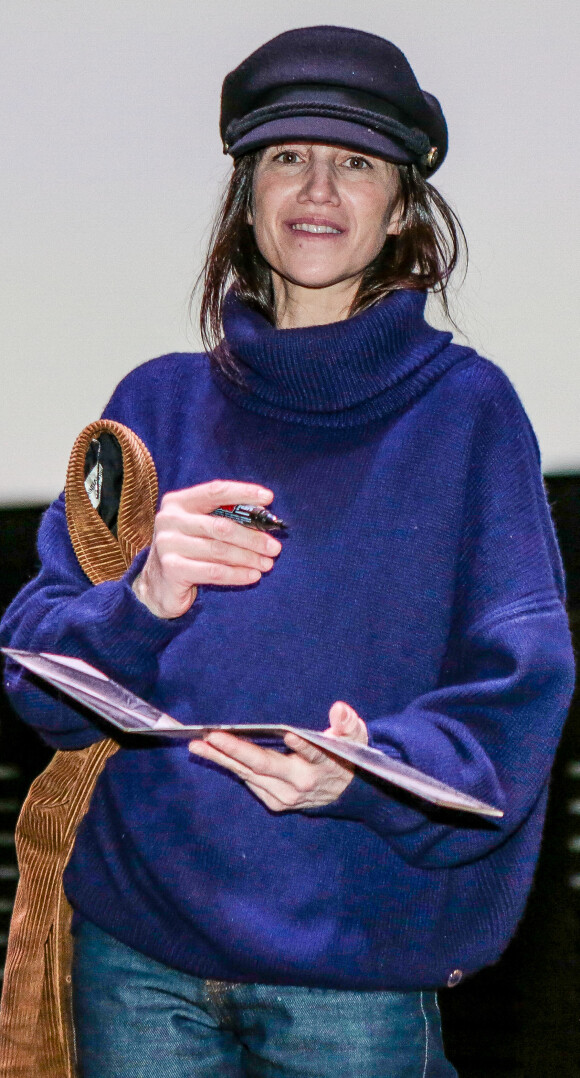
x=396 y=222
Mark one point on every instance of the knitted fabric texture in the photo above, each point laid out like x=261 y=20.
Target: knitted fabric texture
x=420 y=581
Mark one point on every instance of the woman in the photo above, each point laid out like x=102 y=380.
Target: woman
x=239 y=910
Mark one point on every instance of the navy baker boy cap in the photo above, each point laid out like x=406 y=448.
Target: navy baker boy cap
x=335 y=85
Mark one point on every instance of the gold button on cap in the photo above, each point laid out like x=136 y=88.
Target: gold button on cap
x=454 y=978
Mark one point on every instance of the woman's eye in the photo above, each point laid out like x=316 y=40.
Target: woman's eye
x=287 y=157
x=358 y=163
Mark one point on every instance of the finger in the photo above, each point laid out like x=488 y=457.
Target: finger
x=285 y=793
x=229 y=531
x=302 y=783
x=209 y=752
x=305 y=749
x=309 y=785
x=287 y=777
x=205 y=497
x=174 y=519
x=344 y=722
x=211 y=550
x=259 y=760
x=185 y=573
x=248 y=757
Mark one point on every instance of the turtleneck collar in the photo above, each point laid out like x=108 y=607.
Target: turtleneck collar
x=339 y=375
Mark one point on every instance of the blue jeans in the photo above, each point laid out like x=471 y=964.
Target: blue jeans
x=136 y=1018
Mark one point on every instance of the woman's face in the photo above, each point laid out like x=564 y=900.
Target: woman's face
x=322 y=213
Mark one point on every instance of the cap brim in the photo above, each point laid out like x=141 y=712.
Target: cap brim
x=333 y=131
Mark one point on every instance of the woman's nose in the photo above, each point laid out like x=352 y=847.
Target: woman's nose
x=320 y=184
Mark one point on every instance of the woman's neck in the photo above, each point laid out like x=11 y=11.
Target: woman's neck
x=298 y=307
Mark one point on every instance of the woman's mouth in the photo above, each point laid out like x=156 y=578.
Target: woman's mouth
x=317 y=230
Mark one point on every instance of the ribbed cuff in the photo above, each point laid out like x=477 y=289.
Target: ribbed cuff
x=375 y=803
x=129 y=628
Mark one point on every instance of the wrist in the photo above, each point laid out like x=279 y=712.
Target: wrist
x=143 y=593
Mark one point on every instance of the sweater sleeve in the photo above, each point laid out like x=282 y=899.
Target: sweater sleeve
x=491 y=726
x=104 y=624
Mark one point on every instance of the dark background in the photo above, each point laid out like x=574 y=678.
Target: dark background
x=519 y=1018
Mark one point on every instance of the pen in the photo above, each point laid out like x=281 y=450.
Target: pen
x=251 y=516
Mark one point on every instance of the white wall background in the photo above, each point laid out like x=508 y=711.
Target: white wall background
x=112 y=166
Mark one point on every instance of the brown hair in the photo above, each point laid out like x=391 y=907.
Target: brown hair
x=422 y=256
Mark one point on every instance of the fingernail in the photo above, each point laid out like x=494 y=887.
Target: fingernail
x=266 y=564
x=273 y=546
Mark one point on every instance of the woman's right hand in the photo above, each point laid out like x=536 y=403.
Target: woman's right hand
x=190 y=547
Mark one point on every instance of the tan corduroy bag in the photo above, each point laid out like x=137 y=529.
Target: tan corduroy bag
x=36 y=1031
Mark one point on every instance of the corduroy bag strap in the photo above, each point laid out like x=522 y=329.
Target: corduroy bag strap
x=36 y=1031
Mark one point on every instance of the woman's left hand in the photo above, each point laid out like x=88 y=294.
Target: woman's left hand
x=305 y=778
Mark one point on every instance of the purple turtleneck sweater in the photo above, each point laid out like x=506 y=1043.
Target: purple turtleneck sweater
x=420 y=581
